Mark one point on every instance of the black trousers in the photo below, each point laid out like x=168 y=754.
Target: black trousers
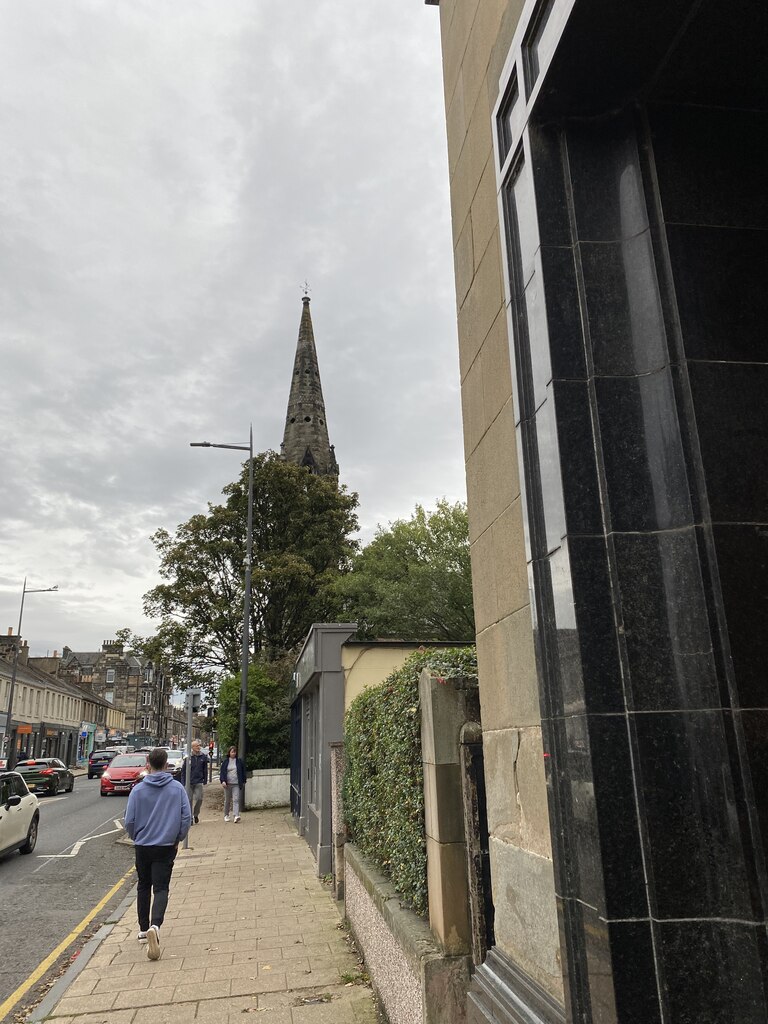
x=154 y=866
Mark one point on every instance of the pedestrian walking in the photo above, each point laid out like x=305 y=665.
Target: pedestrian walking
x=157 y=818
x=197 y=766
x=232 y=777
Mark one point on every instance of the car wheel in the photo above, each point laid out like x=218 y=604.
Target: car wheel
x=54 y=787
x=31 y=842
x=71 y=785
x=103 y=793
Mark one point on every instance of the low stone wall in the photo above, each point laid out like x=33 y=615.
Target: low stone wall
x=268 y=787
x=416 y=982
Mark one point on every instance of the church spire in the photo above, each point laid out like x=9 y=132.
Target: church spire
x=305 y=440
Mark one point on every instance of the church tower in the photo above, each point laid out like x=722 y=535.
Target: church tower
x=305 y=440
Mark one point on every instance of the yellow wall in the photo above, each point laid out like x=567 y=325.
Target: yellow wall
x=366 y=666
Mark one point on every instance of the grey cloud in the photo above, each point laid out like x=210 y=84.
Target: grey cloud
x=170 y=177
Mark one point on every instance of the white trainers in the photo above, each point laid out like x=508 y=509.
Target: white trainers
x=142 y=937
x=237 y=818
x=226 y=817
x=153 y=942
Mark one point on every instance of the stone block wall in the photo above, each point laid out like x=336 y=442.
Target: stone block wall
x=476 y=37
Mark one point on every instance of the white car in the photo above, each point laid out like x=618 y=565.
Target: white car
x=19 y=815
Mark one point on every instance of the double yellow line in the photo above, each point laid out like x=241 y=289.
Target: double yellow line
x=39 y=971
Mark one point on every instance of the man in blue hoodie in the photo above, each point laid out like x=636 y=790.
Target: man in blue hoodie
x=157 y=818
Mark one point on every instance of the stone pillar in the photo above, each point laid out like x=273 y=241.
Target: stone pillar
x=446 y=705
x=338 y=825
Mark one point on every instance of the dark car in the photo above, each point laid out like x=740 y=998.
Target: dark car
x=46 y=775
x=122 y=773
x=98 y=761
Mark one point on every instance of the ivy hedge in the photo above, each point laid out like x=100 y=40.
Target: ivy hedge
x=384 y=780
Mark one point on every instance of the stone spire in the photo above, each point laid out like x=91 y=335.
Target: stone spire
x=305 y=440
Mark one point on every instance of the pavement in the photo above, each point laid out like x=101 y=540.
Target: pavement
x=250 y=931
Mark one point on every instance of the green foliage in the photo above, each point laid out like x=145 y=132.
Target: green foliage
x=413 y=580
x=384 y=780
x=267 y=720
x=301 y=544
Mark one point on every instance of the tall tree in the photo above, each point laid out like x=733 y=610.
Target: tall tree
x=413 y=580
x=302 y=526
x=267 y=716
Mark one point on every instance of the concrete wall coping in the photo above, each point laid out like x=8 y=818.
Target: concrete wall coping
x=255 y=773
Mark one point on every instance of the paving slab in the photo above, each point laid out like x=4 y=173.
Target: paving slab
x=250 y=930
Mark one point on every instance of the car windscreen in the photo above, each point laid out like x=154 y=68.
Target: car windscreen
x=31 y=766
x=98 y=755
x=175 y=755
x=128 y=761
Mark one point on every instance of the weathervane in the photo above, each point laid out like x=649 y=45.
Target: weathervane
x=307 y=289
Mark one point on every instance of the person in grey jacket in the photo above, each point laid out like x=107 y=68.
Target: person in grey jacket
x=157 y=818
x=197 y=766
x=232 y=778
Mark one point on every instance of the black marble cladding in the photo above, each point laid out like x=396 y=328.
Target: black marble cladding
x=714 y=971
x=638 y=309
x=722 y=298
x=730 y=398
x=646 y=502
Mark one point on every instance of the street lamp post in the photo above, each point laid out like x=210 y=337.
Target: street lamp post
x=11 y=753
x=247 y=597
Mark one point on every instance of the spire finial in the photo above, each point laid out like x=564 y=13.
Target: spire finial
x=305 y=294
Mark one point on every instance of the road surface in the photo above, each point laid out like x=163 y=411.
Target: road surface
x=45 y=895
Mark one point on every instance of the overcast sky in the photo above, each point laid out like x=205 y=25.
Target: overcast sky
x=170 y=175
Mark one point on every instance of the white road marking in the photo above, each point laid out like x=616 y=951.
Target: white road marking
x=51 y=800
x=46 y=857
x=76 y=848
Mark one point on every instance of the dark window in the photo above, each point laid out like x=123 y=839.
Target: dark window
x=537 y=47
x=505 y=123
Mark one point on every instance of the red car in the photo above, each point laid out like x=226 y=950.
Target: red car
x=123 y=772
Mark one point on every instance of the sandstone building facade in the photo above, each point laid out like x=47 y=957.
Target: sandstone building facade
x=610 y=234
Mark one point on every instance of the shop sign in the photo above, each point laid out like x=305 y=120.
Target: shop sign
x=100 y=736
x=23 y=729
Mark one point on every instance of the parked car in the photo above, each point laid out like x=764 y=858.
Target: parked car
x=122 y=773
x=19 y=814
x=98 y=760
x=46 y=775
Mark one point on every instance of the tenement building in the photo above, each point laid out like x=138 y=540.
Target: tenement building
x=140 y=689
x=607 y=169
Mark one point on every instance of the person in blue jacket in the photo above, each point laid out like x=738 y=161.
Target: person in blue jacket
x=232 y=778
x=157 y=818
